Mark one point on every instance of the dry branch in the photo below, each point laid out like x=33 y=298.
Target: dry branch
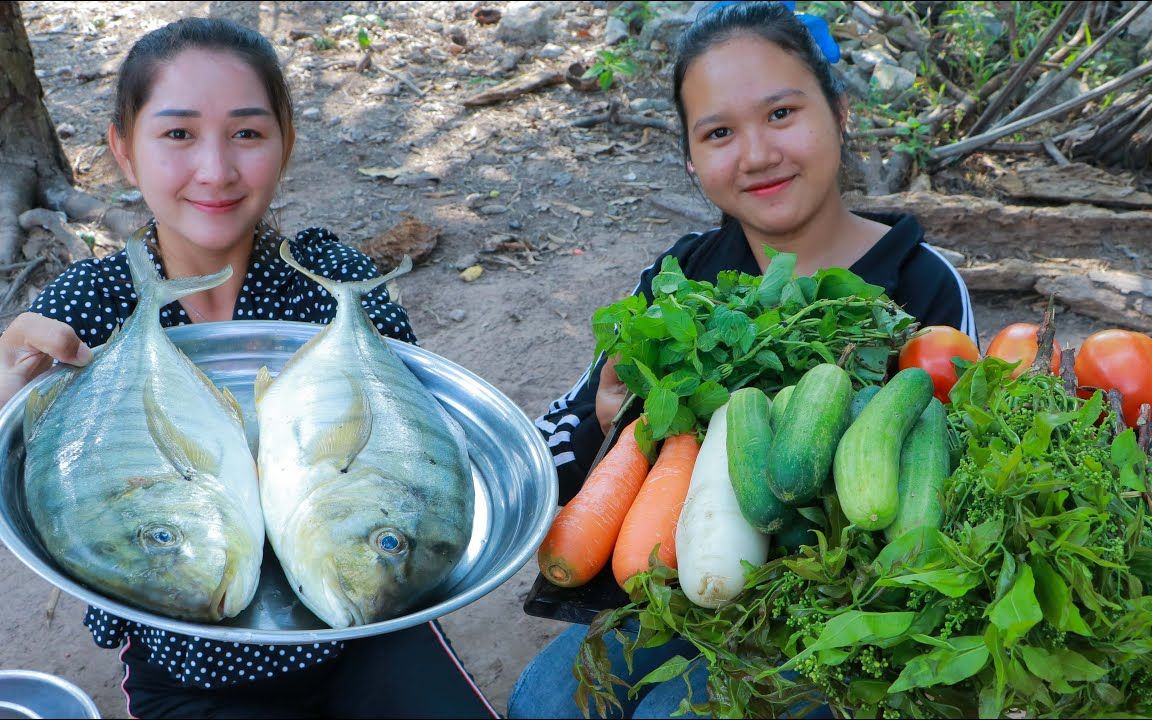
x=1046 y=336
x=976 y=142
x=403 y=78
x=515 y=88
x=614 y=116
x=1068 y=370
x=1024 y=70
x=1067 y=72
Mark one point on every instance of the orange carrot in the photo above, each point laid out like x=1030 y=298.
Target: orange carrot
x=652 y=518
x=579 y=543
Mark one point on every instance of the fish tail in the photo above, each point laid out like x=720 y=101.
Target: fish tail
x=154 y=291
x=345 y=289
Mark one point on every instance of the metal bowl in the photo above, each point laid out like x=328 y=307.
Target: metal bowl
x=512 y=472
x=31 y=694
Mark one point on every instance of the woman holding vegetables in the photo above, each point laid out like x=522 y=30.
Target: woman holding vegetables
x=763 y=122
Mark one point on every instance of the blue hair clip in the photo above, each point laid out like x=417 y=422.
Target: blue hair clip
x=817 y=27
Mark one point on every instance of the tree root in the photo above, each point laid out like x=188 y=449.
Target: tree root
x=614 y=116
x=53 y=222
x=17 y=193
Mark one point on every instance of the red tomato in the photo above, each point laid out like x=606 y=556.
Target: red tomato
x=1120 y=360
x=1018 y=341
x=932 y=350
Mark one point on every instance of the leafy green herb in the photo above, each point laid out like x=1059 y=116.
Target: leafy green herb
x=697 y=341
x=609 y=64
x=1034 y=598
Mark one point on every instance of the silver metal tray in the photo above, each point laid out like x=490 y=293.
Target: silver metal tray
x=512 y=472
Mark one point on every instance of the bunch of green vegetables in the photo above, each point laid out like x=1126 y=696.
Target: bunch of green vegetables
x=1034 y=597
x=696 y=341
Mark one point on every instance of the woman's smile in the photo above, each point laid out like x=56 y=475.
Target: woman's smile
x=767 y=188
x=216 y=206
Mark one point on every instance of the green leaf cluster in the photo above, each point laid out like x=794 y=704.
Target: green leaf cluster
x=1033 y=599
x=696 y=341
x=611 y=63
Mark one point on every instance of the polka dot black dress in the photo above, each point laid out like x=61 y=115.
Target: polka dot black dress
x=96 y=296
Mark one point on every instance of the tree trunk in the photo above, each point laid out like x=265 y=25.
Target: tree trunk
x=33 y=166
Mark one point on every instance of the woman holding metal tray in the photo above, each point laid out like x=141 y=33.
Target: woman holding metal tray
x=203 y=127
x=763 y=124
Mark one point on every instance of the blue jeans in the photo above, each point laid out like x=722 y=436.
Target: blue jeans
x=546 y=687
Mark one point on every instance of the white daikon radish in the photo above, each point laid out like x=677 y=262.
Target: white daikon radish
x=712 y=536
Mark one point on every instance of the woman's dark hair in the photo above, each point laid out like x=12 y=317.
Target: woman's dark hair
x=771 y=21
x=138 y=71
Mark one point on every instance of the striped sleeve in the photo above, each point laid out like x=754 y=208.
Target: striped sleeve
x=569 y=425
x=951 y=304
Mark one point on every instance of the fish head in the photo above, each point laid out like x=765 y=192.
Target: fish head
x=374 y=558
x=163 y=545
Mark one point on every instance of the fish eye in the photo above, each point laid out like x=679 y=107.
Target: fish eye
x=389 y=541
x=159 y=536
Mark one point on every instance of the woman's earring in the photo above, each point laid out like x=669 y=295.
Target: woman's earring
x=691 y=167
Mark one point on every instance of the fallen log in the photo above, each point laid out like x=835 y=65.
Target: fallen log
x=1119 y=298
x=989 y=229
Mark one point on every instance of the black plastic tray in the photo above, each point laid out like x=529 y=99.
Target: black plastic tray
x=575 y=605
x=580 y=605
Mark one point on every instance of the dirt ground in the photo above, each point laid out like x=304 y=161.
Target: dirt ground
x=561 y=220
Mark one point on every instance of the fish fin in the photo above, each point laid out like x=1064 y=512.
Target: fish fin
x=185 y=454
x=223 y=395
x=151 y=289
x=233 y=405
x=338 y=289
x=37 y=403
x=262 y=383
x=342 y=442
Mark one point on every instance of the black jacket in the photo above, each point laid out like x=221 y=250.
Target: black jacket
x=911 y=272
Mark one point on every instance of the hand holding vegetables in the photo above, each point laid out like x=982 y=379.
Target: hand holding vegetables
x=610 y=395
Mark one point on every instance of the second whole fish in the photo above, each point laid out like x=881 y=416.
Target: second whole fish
x=365 y=479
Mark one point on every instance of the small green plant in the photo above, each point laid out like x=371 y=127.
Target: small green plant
x=99 y=23
x=915 y=140
x=639 y=12
x=363 y=40
x=322 y=43
x=88 y=238
x=609 y=64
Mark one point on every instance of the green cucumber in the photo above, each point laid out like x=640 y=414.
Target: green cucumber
x=866 y=469
x=748 y=441
x=779 y=403
x=796 y=532
x=861 y=398
x=805 y=442
x=924 y=466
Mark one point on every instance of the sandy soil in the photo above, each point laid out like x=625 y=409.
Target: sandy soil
x=564 y=220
